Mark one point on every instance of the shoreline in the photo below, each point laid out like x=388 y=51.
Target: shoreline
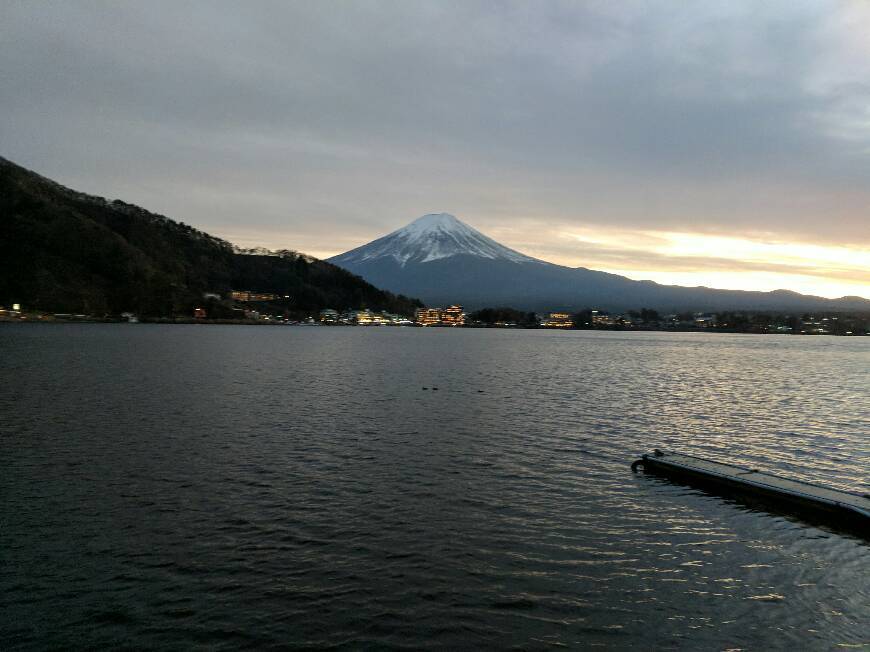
x=182 y=321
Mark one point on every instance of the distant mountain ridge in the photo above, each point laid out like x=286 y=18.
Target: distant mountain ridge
x=432 y=237
x=66 y=251
x=443 y=260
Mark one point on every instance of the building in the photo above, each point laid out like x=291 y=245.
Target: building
x=362 y=317
x=450 y=316
x=453 y=316
x=427 y=316
x=558 y=320
x=247 y=295
x=329 y=316
x=602 y=319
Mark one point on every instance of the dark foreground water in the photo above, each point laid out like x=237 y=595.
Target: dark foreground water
x=250 y=487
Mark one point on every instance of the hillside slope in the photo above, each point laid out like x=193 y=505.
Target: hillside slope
x=65 y=251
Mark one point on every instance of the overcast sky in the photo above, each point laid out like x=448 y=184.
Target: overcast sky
x=721 y=143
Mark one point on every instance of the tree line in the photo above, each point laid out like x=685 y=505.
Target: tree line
x=69 y=252
x=835 y=323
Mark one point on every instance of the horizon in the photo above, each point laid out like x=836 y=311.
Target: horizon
x=636 y=277
x=723 y=146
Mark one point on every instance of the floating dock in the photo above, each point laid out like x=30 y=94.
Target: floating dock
x=837 y=507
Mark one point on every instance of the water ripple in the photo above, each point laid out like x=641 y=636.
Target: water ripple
x=264 y=487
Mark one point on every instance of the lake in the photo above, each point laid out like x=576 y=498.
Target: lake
x=253 y=487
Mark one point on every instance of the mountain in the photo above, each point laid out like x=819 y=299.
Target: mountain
x=432 y=237
x=65 y=251
x=442 y=260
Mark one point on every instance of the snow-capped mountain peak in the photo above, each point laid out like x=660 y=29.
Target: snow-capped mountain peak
x=433 y=221
x=432 y=237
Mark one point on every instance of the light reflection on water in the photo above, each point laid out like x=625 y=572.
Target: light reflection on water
x=245 y=486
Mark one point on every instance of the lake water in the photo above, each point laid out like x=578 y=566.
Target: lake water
x=250 y=487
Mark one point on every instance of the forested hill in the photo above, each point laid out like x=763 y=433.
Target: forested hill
x=65 y=251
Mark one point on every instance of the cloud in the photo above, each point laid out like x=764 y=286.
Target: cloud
x=324 y=123
x=714 y=260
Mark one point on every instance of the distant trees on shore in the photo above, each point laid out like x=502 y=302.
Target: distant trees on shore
x=834 y=323
x=504 y=316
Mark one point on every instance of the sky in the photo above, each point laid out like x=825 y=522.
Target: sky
x=724 y=144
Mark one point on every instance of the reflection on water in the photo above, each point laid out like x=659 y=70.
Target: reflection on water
x=251 y=486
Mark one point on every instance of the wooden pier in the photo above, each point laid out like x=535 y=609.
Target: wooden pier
x=840 y=508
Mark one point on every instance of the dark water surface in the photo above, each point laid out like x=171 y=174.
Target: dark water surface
x=248 y=487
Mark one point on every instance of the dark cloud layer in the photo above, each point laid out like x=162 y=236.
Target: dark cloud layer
x=319 y=125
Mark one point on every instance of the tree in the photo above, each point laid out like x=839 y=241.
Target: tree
x=648 y=315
